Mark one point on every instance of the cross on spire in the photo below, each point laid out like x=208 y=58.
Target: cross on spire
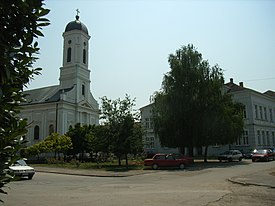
x=77 y=16
x=77 y=12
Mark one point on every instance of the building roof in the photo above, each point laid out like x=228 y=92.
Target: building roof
x=76 y=25
x=234 y=87
x=270 y=93
x=44 y=95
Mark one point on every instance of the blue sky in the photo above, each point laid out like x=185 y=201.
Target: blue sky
x=132 y=39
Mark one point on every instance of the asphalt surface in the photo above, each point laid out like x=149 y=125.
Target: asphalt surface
x=261 y=178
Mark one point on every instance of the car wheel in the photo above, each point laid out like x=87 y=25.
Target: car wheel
x=240 y=159
x=230 y=159
x=181 y=166
x=155 y=166
x=30 y=177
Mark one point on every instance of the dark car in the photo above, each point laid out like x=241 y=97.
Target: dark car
x=249 y=154
x=167 y=160
x=263 y=155
x=231 y=155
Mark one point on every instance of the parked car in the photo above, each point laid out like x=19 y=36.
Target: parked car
x=167 y=160
x=231 y=155
x=263 y=155
x=248 y=155
x=21 y=169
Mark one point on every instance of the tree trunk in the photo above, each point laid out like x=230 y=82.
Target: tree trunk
x=182 y=150
x=119 y=160
x=126 y=158
x=191 y=151
x=205 y=153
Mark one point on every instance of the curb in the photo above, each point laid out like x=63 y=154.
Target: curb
x=249 y=183
x=99 y=174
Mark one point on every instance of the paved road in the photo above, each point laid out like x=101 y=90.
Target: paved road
x=195 y=186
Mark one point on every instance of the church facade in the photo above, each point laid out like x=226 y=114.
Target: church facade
x=56 y=108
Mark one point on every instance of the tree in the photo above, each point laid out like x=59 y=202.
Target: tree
x=21 y=21
x=54 y=143
x=120 y=117
x=82 y=138
x=193 y=109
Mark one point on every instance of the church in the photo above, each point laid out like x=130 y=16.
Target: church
x=56 y=108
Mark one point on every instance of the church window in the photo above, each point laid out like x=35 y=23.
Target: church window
x=51 y=129
x=36 y=132
x=83 y=90
x=84 y=56
x=69 y=54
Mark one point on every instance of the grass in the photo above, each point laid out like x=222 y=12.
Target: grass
x=105 y=166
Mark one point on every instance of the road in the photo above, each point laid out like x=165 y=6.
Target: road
x=194 y=186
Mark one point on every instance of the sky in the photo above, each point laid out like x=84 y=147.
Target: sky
x=132 y=39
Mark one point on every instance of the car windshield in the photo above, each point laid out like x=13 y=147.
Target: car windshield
x=261 y=151
x=21 y=163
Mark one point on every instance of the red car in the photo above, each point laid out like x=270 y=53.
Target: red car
x=168 y=160
x=263 y=155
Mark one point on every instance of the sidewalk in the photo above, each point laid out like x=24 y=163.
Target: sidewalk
x=262 y=178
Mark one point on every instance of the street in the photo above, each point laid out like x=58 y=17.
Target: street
x=193 y=186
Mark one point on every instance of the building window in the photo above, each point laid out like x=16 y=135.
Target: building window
x=36 y=132
x=83 y=90
x=238 y=142
x=256 y=111
x=265 y=114
x=259 y=137
x=263 y=136
x=244 y=113
x=273 y=138
x=261 y=112
x=149 y=123
x=84 y=56
x=271 y=115
x=51 y=129
x=245 y=137
x=267 y=138
x=69 y=54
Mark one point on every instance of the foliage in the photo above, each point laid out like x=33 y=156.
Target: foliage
x=193 y=108
x=125 y=135
x=21 y=21
x=82 y=138
x=53 y=143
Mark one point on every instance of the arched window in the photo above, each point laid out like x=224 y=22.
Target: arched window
x=83 y=90
x=69 y=54
x=84 y=56
x=51 y=129
x=36 y=132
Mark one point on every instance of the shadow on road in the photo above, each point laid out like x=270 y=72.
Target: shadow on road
x=215 y=164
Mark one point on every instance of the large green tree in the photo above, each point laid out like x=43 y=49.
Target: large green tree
x=82 y=139
x=193 y=108
x=21 y=22
x=125 y=136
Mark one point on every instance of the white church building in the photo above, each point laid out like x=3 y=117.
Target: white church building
x=56 y=108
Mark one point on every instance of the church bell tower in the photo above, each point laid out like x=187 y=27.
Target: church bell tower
x=74 y=71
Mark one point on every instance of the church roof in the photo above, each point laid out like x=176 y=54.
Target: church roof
x=44 y=95
x=76 y=25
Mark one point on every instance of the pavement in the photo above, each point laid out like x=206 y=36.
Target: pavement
x=261 y=178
